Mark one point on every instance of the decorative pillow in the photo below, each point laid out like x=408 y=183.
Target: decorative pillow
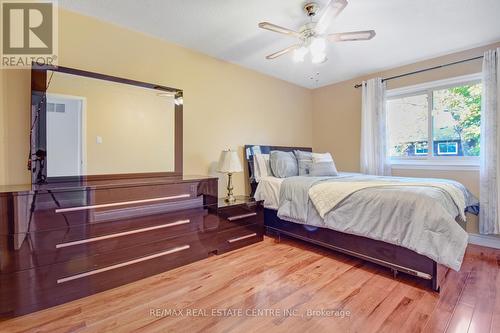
x=324 y=157
x=323 y=165
x=283 y=164
x=261 y=166
x=304 y=161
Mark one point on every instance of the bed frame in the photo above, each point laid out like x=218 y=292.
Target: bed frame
x=397 y=258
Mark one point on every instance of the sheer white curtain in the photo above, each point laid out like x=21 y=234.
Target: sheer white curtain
x=374 y=159
x=489 y=222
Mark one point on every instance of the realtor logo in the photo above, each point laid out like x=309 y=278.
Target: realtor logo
x=28 y=33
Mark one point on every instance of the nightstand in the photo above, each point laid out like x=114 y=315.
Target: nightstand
x=241 y=223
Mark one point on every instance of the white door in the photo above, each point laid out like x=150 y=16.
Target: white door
x=64 y=136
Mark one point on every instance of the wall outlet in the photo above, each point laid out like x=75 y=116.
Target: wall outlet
x=98 y=139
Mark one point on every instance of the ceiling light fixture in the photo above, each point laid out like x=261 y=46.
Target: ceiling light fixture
x=313 y=35
x=300 y=53
x=316 y=46
x=319 y=58
x=318 y=50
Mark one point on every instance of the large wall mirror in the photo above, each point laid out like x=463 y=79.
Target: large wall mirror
x=97 y=126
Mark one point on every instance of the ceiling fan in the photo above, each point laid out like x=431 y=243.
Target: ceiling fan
x=312 y=37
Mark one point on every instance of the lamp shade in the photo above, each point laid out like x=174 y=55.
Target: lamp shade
x=229 y=162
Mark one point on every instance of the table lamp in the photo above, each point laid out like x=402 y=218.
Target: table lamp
x=229 y=163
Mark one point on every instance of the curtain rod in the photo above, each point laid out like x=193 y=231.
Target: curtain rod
x=424 y=70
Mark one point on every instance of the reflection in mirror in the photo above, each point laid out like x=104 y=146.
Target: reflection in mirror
x=98 y=127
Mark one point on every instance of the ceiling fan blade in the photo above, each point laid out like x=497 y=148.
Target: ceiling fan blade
x=278 y=29
x=351 y=36
x=331 y=11
x=282 y=52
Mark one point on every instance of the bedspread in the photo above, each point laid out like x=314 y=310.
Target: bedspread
x=417 y=216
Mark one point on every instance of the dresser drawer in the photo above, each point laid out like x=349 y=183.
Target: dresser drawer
x=236 y=238
x=54 y=210
x=79 y=268
x=46 y=286
x=162 y=192
x=24 y=251
x=240 y=215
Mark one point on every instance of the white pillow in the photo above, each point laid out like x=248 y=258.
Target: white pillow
x=261 y=166
x=317 y=158
x=323 y=166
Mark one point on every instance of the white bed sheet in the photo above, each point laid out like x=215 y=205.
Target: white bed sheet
x=268 y=189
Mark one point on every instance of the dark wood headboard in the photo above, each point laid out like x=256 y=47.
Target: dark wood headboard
x=250 y=150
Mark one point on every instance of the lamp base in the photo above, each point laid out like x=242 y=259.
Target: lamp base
x=230 y=197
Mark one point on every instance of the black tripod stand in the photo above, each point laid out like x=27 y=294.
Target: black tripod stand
x=41 y=179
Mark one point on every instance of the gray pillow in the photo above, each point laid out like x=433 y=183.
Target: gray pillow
x=321 y=169
x=283 y=164
x=304 y=161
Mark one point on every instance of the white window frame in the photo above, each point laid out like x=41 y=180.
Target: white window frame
x=447 y=153
x=422 y=154
x=429 y=161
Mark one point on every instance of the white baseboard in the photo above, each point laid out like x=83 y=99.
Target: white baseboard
x=484 y=240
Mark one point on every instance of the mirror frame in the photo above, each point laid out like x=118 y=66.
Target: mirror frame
x=38 y=138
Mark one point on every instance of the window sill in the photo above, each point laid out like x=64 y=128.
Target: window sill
x=435 y=165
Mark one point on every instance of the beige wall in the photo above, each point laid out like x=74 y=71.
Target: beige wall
x=225 y=106
x=14 y=126
x=337 y=115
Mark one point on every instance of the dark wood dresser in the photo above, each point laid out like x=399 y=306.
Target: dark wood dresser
x=63 y=241
x=241 y=223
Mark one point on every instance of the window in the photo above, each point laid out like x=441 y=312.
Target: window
x=447 y=148
x=407 y=124
x=421 y=148
x=438 y=121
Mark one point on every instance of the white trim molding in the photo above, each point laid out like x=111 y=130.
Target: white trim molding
x=484 y=240
x=435 y=164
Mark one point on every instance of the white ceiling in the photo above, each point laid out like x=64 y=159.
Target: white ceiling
x=407 y=31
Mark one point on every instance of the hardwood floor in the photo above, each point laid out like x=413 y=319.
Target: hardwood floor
x=356 y=296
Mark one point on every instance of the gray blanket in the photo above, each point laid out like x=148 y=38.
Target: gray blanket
x=419 y=218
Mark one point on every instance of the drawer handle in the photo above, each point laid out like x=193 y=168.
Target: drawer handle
x=232 y=240
x=120 y=234
x=123 y=203
x=242 y=216
x=123 y=264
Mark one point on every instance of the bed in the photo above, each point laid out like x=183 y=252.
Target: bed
x=397 y=254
